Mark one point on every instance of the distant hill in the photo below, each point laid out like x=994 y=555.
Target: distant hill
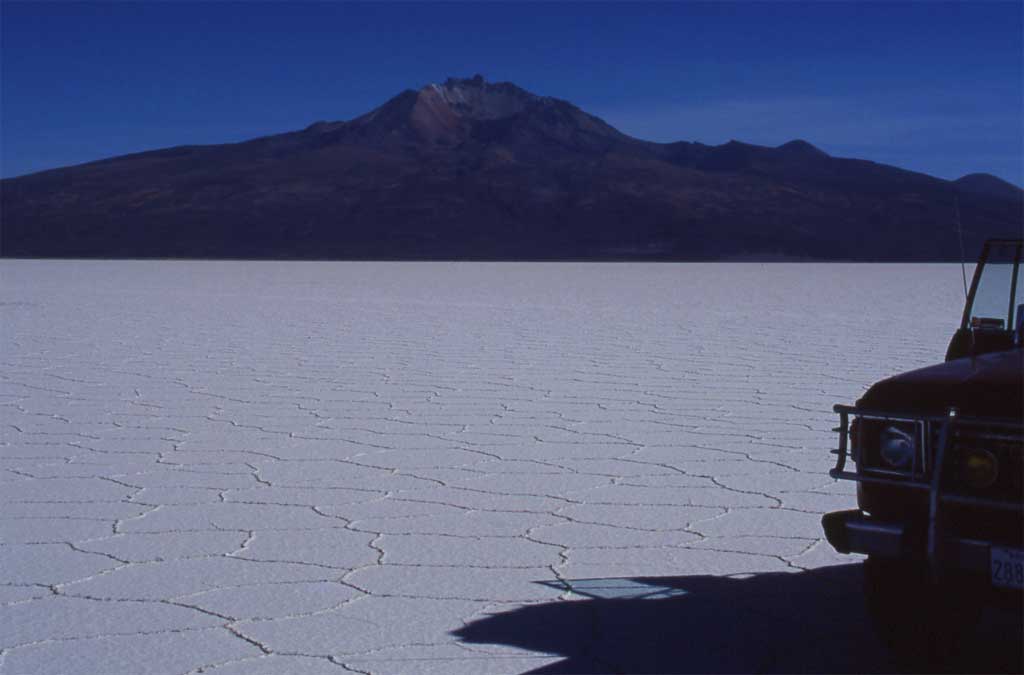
x=987 y=184
x=474 y=170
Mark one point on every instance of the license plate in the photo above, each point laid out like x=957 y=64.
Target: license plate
x=1007 y=568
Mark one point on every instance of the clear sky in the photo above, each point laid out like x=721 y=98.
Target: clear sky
x=933 y=87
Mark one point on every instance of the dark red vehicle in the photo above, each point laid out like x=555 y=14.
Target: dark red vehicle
x=939 y=455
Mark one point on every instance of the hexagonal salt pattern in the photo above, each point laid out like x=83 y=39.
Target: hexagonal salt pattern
x=234 y=467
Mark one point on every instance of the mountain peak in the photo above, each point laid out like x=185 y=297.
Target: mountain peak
x=801 y=147
x=475 y=98
x=473 y=108
x=987 y=184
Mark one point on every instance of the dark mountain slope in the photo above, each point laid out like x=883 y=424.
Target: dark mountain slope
x=470 y=169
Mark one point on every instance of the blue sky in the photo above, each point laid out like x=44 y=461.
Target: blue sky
x=933 y=87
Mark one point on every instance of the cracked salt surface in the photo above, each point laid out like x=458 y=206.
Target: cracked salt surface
x=233 y=467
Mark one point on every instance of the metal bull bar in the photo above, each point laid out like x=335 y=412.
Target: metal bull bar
x=930 y=466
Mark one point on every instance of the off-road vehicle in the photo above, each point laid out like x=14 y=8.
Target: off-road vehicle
x=938 y=464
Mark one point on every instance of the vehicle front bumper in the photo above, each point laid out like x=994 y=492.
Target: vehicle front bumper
x=855 y=532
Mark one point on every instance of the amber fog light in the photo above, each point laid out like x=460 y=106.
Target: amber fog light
x=980 y=469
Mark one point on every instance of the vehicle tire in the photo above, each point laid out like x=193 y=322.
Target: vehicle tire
x=921 y=624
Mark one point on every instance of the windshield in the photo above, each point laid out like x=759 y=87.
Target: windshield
x=997 y=297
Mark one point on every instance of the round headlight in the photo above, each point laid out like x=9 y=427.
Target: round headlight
x=980 y=468
x=896 y=447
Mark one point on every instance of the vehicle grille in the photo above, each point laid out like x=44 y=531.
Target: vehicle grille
x=1005 y=441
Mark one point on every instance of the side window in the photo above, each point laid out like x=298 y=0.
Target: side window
x=991 y=307
x=1018 y=302
x=992 y=298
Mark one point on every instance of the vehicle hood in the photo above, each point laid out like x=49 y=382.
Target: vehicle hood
x=990 y=385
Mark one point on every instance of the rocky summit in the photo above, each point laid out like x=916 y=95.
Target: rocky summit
x=470 y=169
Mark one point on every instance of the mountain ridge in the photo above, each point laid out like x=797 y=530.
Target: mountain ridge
x=469 y=169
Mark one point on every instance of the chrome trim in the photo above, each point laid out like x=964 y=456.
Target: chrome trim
x=913 y=417
x=861 y=478
x=873 y=470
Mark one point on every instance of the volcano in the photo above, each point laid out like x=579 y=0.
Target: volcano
x=469 y=169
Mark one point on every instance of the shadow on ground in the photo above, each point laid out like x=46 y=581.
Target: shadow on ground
x=802 y=622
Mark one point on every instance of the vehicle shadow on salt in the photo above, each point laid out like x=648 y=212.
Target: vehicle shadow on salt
x=811 y=621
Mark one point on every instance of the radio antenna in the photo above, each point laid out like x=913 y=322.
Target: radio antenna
x=960 y=231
